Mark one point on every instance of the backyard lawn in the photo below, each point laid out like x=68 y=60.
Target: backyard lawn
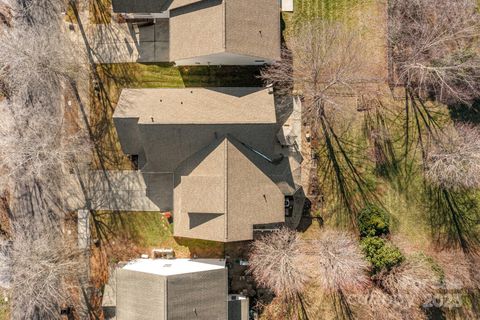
x=368 y=17
x=127 y=235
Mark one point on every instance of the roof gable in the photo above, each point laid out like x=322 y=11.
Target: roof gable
x=249 y=196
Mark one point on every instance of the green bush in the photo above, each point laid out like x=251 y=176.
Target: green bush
x=373 y=221
x=382 y=254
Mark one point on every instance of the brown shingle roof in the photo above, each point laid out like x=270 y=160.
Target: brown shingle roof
x=243 y=27
x=148 y=6
x=197 y=105
x=220 y=194
x=253 y=28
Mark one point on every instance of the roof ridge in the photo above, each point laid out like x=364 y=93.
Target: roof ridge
x=224 y=24
x=225 y=154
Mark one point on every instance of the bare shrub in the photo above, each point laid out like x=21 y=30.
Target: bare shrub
x=460 y=271
x=435 y=47
x=453 y=161
x=374 y=304
x=44 y=66
x=338 y=262
x=323 y=63
x=44 y=274
x=40 y=139
x=36 y=143
x=277 y=262
x=412 y=282
x=37 y=12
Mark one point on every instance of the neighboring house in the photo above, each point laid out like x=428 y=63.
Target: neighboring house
x=238 y=307
x=176 y=289
x=213 y=155
x=216 y=32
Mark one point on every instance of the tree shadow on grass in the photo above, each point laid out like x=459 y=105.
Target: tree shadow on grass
x=454 y=219
x=221 y=76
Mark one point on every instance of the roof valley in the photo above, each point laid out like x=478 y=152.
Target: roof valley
x=225 y=167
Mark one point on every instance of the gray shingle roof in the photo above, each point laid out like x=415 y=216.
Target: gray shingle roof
x=197 y=105
x=242 y=27
x=148 y=6
x=220 y=194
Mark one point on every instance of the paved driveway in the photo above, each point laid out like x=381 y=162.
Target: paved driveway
x=131 y=42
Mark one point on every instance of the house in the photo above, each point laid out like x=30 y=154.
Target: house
x=172 y=289
x=238 y=307
x=214 y=32
x=211 y=155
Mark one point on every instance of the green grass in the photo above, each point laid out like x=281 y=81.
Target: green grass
x=4 y=309
x=143 y=231
x=165 y=75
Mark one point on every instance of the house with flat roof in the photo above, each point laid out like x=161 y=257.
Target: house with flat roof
x=211 y=155
x=214 y=32
x=172 y=289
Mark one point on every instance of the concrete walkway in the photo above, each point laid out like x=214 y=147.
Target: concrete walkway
x=110 y=190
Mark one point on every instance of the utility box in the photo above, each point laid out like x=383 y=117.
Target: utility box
x=287 y=5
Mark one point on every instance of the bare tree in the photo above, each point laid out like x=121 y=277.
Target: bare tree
x=435 y=48
x=339 y=270
x=338 y=262
x=44 y=275
x=277 y=262
x=36 y=143
x=323 y=63
x=41 y=141
x=290 y=266
x=37 y=12
x=40 y=135
x=453 y=161
x=412 y=283
x=5 y=15
x=452 y=168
